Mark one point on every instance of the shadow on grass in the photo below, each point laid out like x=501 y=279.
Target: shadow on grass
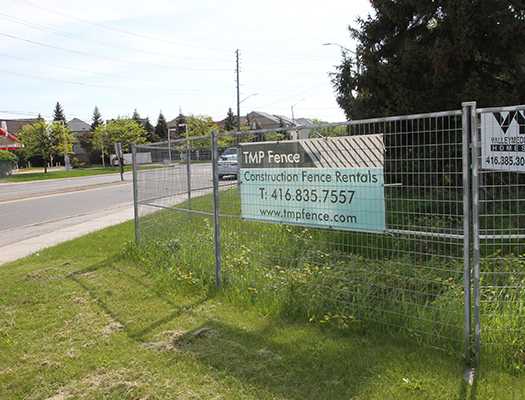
x=304 y=365
x=300 y=363
x=140 y=334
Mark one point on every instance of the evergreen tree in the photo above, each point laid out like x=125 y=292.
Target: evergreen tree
x=430 y=55
x=136 y=117
x=59 y=113
x=161 y=130
x=150 y=132
x=229 y=122
x=96 y=120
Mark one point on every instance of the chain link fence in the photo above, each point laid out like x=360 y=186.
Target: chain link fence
x=446 y=269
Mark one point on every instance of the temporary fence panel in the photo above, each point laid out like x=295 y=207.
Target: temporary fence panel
x=396 y=224
x=500 y=149
x=394 y=259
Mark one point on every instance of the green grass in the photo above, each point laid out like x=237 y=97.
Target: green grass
x=84 y=321
x=348 y=280
x=77 y=172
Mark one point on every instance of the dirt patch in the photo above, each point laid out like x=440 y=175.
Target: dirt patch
x=80 y=300
x=168 y=341
x=87 y=274
x=175 y=340
x=45 y=275
x=101 y=382
x=111 y=328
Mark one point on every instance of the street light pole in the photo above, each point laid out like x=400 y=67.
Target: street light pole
x=238 y=90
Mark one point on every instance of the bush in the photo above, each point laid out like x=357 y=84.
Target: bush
x=76 y=162
x=7 y=156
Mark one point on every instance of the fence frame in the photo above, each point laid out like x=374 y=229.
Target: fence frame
x=471 y=236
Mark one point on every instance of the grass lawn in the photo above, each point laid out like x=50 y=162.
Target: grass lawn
x=38 y=176
x=83 y=321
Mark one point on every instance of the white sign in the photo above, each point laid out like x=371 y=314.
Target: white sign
x=503 y=141
x=332 y=183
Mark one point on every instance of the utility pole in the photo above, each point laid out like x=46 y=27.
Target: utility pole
x=238 y=90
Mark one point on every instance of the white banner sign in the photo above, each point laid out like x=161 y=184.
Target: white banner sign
x=503 y=141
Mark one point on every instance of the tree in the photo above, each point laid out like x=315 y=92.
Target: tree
x=59 y=114
x=96 y=120
x=125 y=131
x=136 y=116
x=150 y=132
x=46 y=141
x=430 y=55
x=161 y=130
x=229 y=122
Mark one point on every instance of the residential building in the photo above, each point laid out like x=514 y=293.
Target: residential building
x=14 y=126
x=221 y=124
x=81 y=131
x=263 y=120
x=174 y=131
x=8 y=141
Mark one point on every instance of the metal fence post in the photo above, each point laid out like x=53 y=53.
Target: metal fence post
x=216 y=219
x=135 y=192
x=467 y=221
x=476 y=258
x=188 y=170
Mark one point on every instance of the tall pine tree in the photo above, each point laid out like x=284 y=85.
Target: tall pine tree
x=150 y=132
x=229 y=122
x=161 y=130
x=431 y=55
x=58 y=114
x=136 y=117
x=96 y=119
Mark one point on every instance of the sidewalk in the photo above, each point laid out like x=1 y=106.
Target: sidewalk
x=82 y=226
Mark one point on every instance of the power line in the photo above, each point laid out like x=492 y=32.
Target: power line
x=44 y=28
x=85 y=71
x=83 y=83
x=91 y=55
x=119 y=30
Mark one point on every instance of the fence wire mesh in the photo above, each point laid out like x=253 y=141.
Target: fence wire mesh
x=502 y=262
x=410 y=278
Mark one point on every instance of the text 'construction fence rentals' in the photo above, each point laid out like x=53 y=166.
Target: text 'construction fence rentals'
x=412 y=225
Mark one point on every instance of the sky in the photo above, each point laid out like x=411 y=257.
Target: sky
x=166 y=55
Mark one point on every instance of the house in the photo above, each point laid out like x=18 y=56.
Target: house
x=222 y=123
x=8 y=141
x=14 y=126
x=80 y=130
x=262 y=120
x=305 y=122
x=175 y=127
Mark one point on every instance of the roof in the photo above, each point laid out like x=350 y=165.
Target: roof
x=284 y=119
x=222 y=122
x=77 y=125
x=259 y=114
x=304 y=121
x=263 y=120
x=15 y=125
x=175 y=121
x=8 y=141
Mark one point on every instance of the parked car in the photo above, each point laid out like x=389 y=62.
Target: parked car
x=228 y=163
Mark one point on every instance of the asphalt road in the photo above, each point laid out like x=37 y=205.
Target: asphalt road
x=16 y=191
x=37 y=209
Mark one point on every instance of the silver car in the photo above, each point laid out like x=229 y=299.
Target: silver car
x=228 y=164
